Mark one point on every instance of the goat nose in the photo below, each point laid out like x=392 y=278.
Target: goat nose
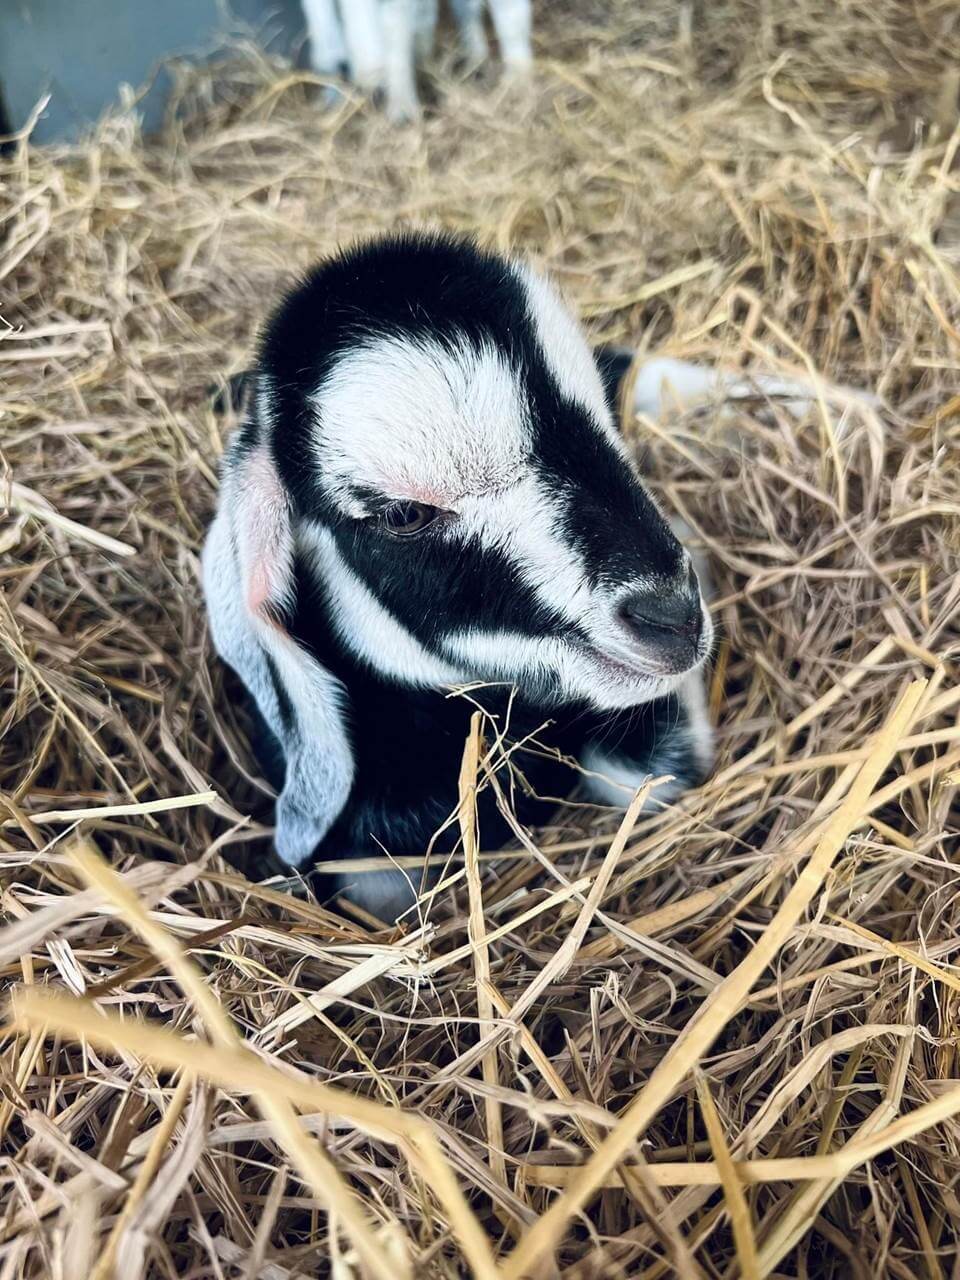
x=667 y=619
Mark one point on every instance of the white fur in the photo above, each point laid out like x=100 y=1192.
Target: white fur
x=693 y=695
x=522 y=521
x=473 y=38
x=363 y=37
x=614 y=782
x=663 y=381
x=511 y=20
x=328 y=49
x=424 y=28
x=399 y=41
x=549 y=665
x=415 y=420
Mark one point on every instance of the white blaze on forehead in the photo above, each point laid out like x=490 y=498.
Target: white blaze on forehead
x=565 y=349
x=416 y=418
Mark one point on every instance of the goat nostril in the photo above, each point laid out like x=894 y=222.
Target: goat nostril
x=662 y=617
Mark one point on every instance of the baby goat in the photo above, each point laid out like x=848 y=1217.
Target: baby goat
x=428 y=490
x=381 y=42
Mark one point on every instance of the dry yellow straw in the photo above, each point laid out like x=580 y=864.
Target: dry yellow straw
x=19 y=498
x=838 y=1164
x=136 y=274
x=236 y=1069
x=316 y=1167
x=104 y=1269
x=476 y=932
x=724 y=1002
x=122 y=810
x=744 y=1237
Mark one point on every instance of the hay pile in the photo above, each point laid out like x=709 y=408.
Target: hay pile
x=772 y=185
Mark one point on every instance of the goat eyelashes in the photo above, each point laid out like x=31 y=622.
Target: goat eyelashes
x=428 y=491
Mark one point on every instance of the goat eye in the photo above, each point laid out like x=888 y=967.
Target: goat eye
x=408 y=517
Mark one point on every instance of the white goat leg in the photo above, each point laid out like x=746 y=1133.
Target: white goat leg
x=328 y=52
x=511 y=20
x=424 y=30
x=663 y=380
x=468 y=15
x=363 y=34
x=398 y=44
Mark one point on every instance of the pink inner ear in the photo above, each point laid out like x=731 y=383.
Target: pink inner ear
x=258 y=588
x=266 y=541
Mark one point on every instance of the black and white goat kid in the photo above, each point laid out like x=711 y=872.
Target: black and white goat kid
x=427 y=491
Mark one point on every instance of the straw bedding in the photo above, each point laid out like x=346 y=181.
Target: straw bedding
x=717 y=1040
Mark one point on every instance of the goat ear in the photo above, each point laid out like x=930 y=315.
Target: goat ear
x=248 y=568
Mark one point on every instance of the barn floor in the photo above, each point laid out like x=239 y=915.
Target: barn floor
x=741 y=1057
